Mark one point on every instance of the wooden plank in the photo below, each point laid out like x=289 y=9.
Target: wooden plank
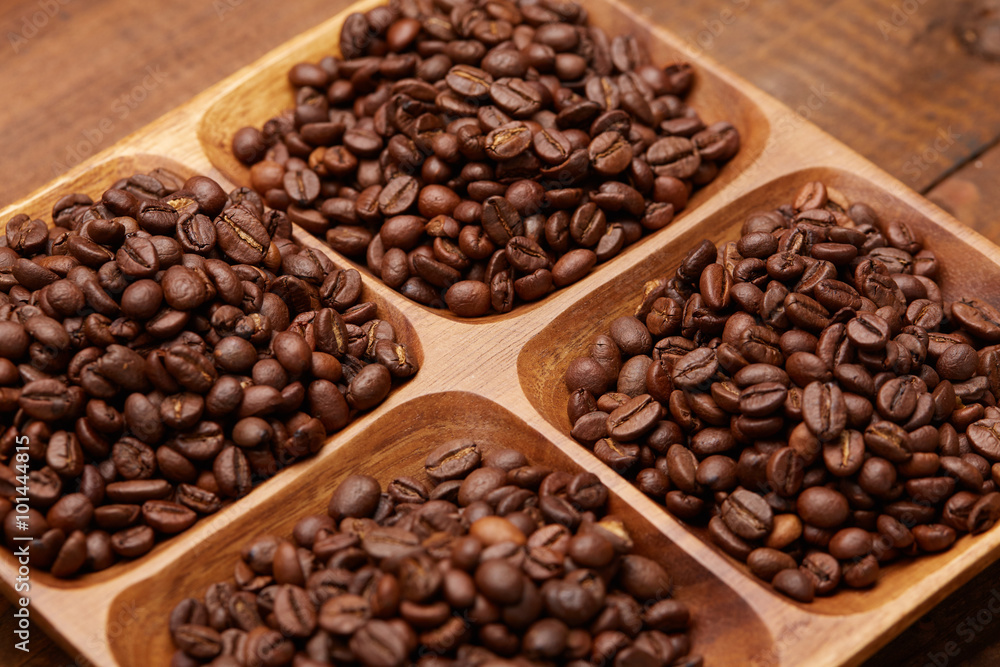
x=43 y=651
x=962 y=630
x=96 y=71
x=971 y=193
x=889 y=78
x=889 y=91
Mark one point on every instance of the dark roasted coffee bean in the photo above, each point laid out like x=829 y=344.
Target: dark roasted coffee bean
x=824 y=410
x=241 y=236
x=795 y=584
x=822 y=507
x=695 y=369
x=137 y=257
x=588 y=225
x=765 y=563
x=501 y=220
x=610 y=153
x=747 y=515
x=888 y=440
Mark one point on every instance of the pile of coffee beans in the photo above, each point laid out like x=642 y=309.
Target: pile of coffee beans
x=478 y=154
x=809 y=392
x=493 y=562
x=162 y=350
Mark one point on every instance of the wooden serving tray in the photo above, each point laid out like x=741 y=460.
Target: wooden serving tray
x=498 y=379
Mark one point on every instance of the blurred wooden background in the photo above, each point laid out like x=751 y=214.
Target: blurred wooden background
x=914 y=85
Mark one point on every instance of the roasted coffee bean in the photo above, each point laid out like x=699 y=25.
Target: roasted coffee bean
x=610 y=153
x=129 y=387
x=795 y=584
x=824 y=410
x=241 y=236
x=167 y=517
x=747 y=515
x=507 y=141
x=634 y=419
x=466 y=121
x=889 y=441
x=588 y=225
x=811 y=366
x=137 y=257
x=695 y=369
x=786 y=471
x=765 y=563
x=392 y=593
x=762 y=399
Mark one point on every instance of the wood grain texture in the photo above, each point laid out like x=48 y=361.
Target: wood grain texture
x=90 y=72
x=896 y=81
x=97 y=616
x=972 y=193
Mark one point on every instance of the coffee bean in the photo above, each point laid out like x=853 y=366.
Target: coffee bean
x=344 y=614
x=369 y=387
x=786 y=471
x=526 y=255
x=133 y=542
x=610 y=153
x=167 y=517
x=762 y=399
x=824 y=571
x=822 y=507
x=984 y=513
x=934 y=537
x=845 y=455
x=695 y=369
x=198 y=641
x=981 y=319
x=241 y=236
x=398 y=195
x=889 y=441
x=766 y=563
x=356 y=497
x=588 y=225
x=868 y=331
x=573 y=266
x=747 y=515
x=499 y=581
x=634 y=419
x=501 y=220
x=850 y=544
x=469 y=81
x=824 y=410
x=795 y=584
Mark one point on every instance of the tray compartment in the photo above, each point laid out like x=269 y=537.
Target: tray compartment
x=397 y=444
x=94 y=182
x=971 y=266
x=262 y=90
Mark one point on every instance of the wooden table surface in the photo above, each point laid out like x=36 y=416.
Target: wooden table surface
x=911 y=84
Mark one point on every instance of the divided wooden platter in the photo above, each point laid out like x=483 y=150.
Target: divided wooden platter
x=499 y=380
